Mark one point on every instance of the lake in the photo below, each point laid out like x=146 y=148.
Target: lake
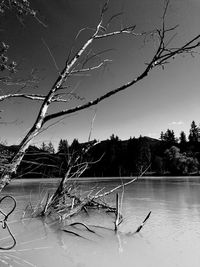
x=171 y=236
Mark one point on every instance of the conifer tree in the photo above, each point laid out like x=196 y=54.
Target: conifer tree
x=194 y=133
x=182 y=138
x=63 y=146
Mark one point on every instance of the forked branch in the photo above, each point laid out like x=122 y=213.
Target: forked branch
x=162 y=55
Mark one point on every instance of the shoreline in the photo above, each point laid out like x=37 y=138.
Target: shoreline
x=90 y=179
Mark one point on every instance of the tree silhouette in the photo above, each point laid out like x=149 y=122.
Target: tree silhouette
x=182 y=138
x=63 y=146
x=194 y=133
x=77 y=63
x=168 y=136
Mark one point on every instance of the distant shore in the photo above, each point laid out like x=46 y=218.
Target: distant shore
x=90 y=179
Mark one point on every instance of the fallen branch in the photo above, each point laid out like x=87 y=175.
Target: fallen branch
x=143 y=223
x=83 y=224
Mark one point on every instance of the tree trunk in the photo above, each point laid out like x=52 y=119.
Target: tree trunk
x=10 y=170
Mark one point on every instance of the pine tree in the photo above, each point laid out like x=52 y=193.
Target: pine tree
x=169 y=136
x=75 y=146
x=43 y=146
x=63 y=146
x=194 y=133
x=162 y=137
x=182 y=138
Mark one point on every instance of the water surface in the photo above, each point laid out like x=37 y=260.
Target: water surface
x=171 y=236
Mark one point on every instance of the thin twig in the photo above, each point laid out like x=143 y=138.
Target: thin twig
x=51 y=55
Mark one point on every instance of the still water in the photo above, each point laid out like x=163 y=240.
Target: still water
x=171 y=236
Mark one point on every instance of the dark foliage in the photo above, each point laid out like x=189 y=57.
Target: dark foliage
x=112 y=157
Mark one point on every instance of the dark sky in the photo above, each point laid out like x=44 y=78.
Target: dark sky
x=165 y=99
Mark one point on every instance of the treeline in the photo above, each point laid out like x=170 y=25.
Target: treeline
x=113 y=157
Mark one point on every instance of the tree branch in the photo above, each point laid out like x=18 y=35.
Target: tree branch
x=127 y=30
x=91 y=68
x=32 y=97
x=161 y=56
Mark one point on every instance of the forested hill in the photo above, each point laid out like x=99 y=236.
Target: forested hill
x=111 y=157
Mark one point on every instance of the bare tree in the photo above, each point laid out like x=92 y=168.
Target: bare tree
x=75 y=64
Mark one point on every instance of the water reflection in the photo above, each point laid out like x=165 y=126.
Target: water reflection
x=170 y=237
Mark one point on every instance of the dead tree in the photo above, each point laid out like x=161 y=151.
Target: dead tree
x=163 y=54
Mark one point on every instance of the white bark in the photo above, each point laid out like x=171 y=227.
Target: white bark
x=161 y=57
